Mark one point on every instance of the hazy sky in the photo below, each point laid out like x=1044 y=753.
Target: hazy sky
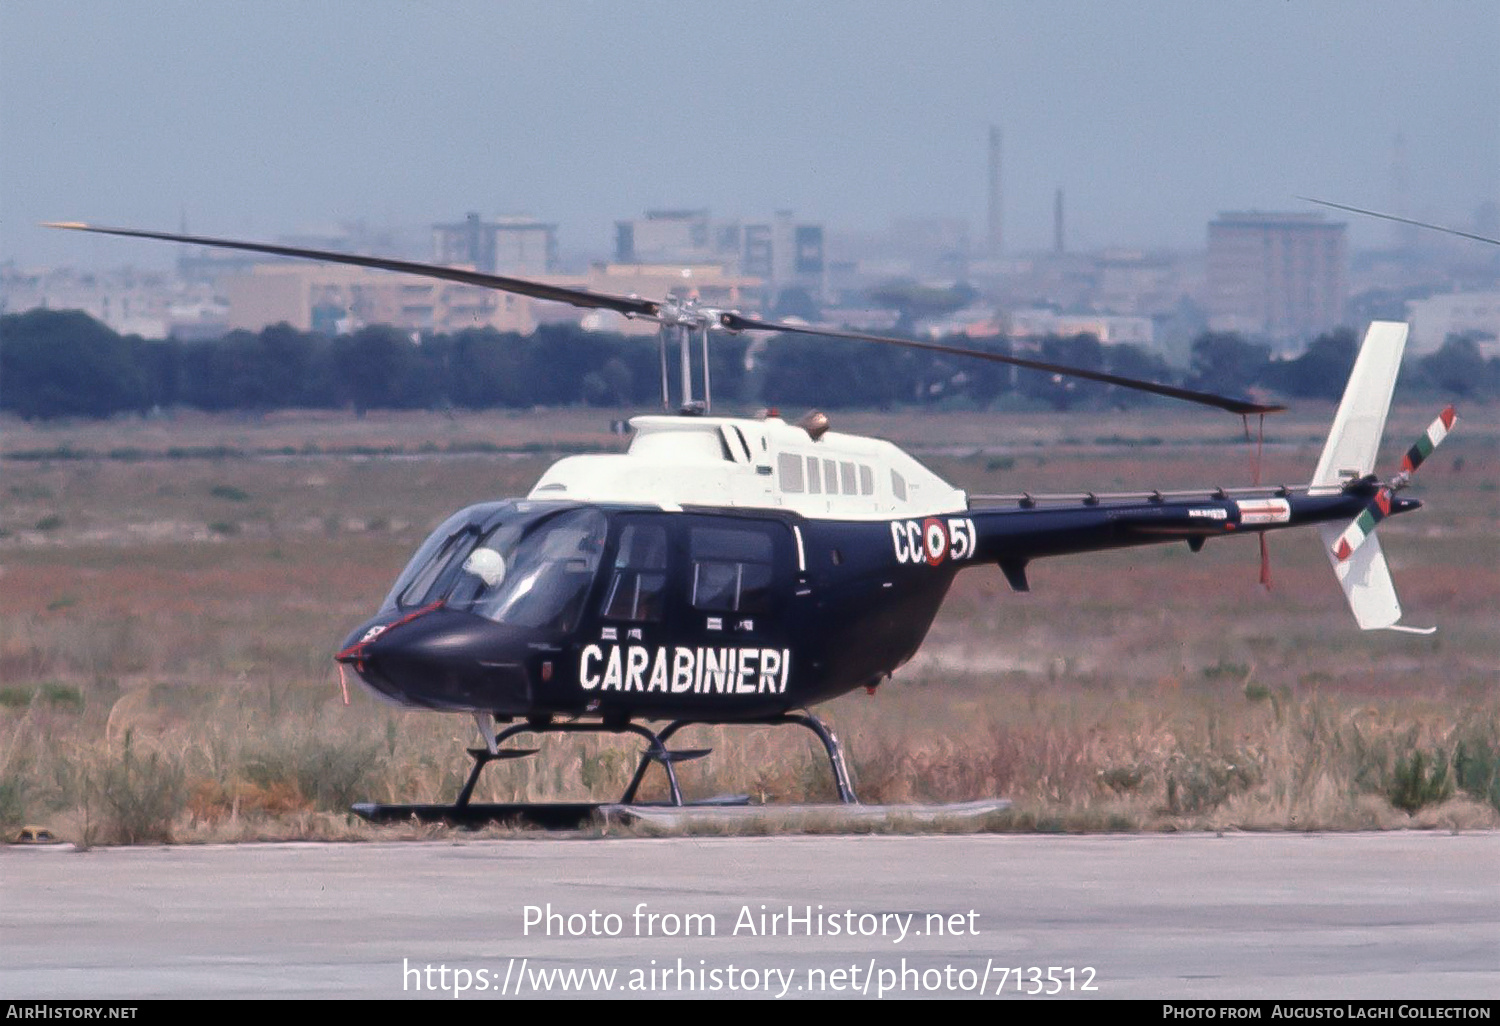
x=266 y=117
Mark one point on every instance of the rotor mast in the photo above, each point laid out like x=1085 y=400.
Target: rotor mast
x=680 y=320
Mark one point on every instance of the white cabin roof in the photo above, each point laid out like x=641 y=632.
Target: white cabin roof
x=754 y=464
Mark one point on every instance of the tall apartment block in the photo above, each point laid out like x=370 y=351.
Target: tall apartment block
x=1282 y=276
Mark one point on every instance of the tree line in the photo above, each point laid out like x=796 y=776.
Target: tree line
x=66 y=364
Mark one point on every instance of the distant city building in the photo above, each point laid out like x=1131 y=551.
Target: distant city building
x=1109 y=329
x=937 y=246
x=347 y=237
x=151 y=304
x=711 y=284
x=783 y=252
x=207 y=265
x=1144 y=284
x=862 y=318
x=675 y=236
x=980 y=321
x=1068 y=281
x=1455 y=313
x=506 y=245
x=334 y=299
x=1277 y=275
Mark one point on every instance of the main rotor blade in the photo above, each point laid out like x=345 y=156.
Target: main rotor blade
x=1401 y=220
x=520 y=286
x=737 y=322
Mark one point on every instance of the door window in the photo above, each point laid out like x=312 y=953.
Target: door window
x=639 y=579
x=732 y=568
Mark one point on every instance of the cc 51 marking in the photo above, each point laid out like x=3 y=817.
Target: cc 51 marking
x=932 y=540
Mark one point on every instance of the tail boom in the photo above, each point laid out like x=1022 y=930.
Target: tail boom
x=1344 y=500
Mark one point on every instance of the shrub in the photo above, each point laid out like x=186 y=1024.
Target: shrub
x=140 y=796
x=1476 y=769
x=1417 y=781
x=329 y=773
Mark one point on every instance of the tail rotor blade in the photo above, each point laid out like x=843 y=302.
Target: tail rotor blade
x=1364 y=525
x=1436 y=432
x=1380 y=507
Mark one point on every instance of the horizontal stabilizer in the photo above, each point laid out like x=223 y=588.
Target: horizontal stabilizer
x=1366 y=581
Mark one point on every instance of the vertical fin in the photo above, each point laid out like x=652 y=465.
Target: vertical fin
x=1353 y=443
x=1354 y=440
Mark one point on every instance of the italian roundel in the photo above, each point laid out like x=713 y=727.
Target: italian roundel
x=934 y=540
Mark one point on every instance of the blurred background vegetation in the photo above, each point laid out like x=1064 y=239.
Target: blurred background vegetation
x=65 y=364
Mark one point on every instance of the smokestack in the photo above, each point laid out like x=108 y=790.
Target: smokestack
x=996 y=238
x=1057 y=223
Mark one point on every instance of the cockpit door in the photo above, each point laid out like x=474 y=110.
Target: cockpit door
x=635 y=592
x=624 y=644
x=691 y=616
x=736 y=583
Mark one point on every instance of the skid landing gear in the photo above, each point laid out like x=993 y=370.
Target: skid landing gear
x=571 y=815
x=811 y=722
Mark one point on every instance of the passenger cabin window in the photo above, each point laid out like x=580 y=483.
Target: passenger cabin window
x=866 y=480
x=732 y=568
x=814 y=476
x=790 y=465
x=831 y=476
x=640 y=575
x=850 y=486
x=898 y=486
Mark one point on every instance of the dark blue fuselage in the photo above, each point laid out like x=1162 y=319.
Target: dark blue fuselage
x=526 y=609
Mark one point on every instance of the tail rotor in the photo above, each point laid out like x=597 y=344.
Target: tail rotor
x=1363 y=526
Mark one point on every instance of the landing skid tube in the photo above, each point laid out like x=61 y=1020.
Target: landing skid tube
x=811 y=722
x=571 y=815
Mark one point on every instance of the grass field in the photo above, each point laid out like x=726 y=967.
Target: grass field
x=171 y=593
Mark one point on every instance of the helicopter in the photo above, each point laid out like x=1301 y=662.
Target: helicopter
x=740 y=570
